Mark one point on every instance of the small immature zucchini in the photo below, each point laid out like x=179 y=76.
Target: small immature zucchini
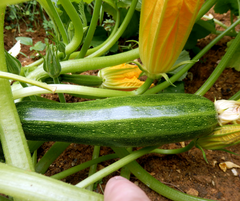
x=130 y=121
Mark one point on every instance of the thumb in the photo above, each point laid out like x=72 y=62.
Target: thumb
x=118 y=189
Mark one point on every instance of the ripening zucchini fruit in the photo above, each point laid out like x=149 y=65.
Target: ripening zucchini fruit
x=131 y=121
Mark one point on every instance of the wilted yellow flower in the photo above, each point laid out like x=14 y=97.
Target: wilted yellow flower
x=228 y=111
x=164 y=29
x=222 y=137
x=121 y=77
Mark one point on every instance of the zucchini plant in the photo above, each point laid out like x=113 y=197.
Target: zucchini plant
x=133 y=114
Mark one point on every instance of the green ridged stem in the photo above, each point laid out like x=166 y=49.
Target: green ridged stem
x=236 y=96
x=27 y=185
x=13 y=140
x=86 y=80
x=52 y=154
x=8 y=2
x=238 y=1
x=93 y=168
x=119 y=32
x=34 y=145
x=83 y=166
x=144 y=87
x=88 y=92
x=60 y=95
x=220 y=67
x=125 y=172
x=34 y=158
x=174 y=151
x=117 y=22
x=92 y=50
x=32 y=98
x=52 y=13
x=91 y=30
x=205 y=8
x=82 y=65
x=153 y=183
x=115 y=166
x=22 y=79
x=78 y=28
x=175 y=77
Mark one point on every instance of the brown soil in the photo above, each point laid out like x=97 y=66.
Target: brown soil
x=186 y=172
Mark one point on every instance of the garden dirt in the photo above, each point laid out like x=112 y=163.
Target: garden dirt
x=186 y=172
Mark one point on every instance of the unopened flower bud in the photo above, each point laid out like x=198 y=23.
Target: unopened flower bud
x=51 y=62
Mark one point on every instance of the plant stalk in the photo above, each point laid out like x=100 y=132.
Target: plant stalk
x=153 y=183
x=13 y=140
x=220 y=67
x=119 y=32
x=115 y=166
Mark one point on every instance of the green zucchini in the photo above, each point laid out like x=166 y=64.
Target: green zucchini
x=130 y=121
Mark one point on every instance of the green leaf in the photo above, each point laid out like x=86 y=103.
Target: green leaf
x=25 y=40
x=178 y=88
x=127 y=3
x=114 y=48
x=86 y=1
x=133 y=26
x=99 y=37
x=198 y=32
x=223 y=6
x=235 y=59
x=184 y=56
x=13 y=64
x=39 y=46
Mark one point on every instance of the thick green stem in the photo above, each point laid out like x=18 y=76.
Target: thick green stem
x=114 y=166
x=119 y=32
x=13 y=140
x=88 y=92
x=144 y=87
x=78 y=28
x=36 y=187
x=81 y=65
x=220 y=67
x=238 y=1
x=83 y=166
x=91 y=29
x=85 y=80
x=32 y=98
x=25 y=80
x=236 y=96
x=175 y=77
x=8 y=2
x=57 y=20
x=153 y=183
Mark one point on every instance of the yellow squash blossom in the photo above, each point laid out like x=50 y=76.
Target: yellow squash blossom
x=228 y=111
x=221 y=138
x=121 y=77
x=164 y=29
